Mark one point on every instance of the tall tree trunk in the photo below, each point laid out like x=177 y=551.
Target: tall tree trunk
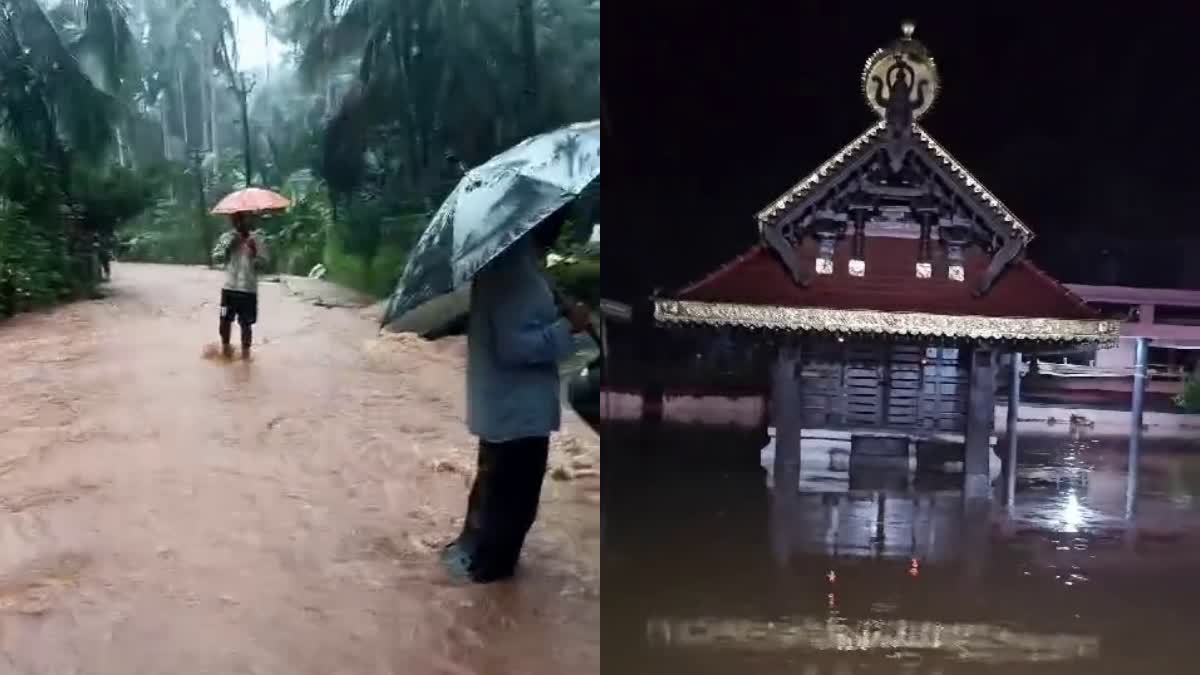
x=205 y=115
x=166 y=138
x=531 y=98
x=207 y=235
x=166 y=131
x=327 y=20
x=243 y=92
x=120 y=146
x=214 y=136
x=400 y=43
x=183 y=117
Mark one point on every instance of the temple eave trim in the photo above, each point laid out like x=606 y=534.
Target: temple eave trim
x=870 y=322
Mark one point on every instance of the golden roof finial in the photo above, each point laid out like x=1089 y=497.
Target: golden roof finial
x=908 y=54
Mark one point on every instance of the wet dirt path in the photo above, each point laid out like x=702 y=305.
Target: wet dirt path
x=162 y=513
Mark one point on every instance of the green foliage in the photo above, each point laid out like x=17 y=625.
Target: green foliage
x=577 y=270
x=120 y=119
x=296 y=238
x=360 y=229
x=110 y=197
x=367 y=251
x=433 y=79
x=62 y=75
x=49 y=239
x=376 y=270
x=49 y=103
x=35 y=269
x=170 y=232
x=579 y=279
x=1189 y=398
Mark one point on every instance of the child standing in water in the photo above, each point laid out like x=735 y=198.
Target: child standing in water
x=243 y=255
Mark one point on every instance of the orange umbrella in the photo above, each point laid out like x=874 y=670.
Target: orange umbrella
x=251 y=200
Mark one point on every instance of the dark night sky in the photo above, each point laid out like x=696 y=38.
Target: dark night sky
x=1082 y=117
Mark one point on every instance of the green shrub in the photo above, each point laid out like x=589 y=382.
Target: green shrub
x=113 y=196
x=376 y=277
x=170 y=232
x=370 y=247
x=49 y=237
x=35 y=269
x=579 y=274
x=296 y=238
x=1189 y=398
x=579 y=280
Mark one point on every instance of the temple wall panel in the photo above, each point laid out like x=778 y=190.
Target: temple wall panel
x=900 y=386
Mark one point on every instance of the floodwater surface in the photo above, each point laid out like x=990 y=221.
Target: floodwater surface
x=710 y=572
x=162 y=513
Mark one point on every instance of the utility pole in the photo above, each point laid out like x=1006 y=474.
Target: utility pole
x=207 y=236
x=242 y=86
x=531 y=94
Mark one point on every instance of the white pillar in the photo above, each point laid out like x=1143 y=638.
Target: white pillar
x=1014 y=407
x=1135 y=432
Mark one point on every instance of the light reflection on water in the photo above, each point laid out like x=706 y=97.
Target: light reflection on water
x=708 y=572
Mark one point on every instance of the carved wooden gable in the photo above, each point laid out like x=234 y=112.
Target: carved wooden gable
x=895 y=181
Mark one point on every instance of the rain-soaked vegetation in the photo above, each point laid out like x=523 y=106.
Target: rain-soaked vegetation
x=123 y=121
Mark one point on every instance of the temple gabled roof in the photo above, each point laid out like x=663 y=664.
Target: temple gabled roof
x=755 y=291
x=891 y=235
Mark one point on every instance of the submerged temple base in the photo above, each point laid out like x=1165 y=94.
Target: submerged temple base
x=894 y=404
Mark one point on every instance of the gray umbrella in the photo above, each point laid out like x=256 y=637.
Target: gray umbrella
x=494 y=205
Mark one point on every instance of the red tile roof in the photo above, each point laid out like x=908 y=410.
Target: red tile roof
x=890 y=285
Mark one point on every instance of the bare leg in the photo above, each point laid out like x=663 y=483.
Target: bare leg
x=247 y=338
x=226 y=331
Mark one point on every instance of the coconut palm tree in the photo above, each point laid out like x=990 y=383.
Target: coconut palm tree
x=50 y=103
x=438 y=77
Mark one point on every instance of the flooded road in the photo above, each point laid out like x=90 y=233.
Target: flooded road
x=710 y=573
x=162 y=513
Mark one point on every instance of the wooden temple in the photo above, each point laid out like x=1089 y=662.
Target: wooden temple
x=890 y=282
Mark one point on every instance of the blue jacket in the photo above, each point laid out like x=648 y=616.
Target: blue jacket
x=515 y=340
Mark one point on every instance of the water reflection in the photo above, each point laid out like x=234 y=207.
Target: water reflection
x=987 y=643
x=709 y=571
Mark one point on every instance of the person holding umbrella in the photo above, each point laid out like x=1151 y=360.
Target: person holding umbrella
x=483 y=256
x=243 y=255
x=517 y=334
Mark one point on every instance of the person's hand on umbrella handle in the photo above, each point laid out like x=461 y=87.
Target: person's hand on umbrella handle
x=579 y=316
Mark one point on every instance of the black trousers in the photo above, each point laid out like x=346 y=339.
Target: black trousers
x=503 y=505
x=242 y=307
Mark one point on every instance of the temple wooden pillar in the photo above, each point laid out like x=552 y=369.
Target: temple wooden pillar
x=652 y=387
x=786 y=417
x=981 y=412
x=1135 y=432
x=1014 y=409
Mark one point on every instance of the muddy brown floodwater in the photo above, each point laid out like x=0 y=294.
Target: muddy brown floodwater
x=162 y=513
x=871 y=570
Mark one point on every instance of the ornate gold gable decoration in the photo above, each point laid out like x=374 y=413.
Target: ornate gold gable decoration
x=901 y=78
